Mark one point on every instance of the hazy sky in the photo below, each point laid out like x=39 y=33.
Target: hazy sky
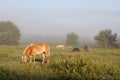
x=59 y=17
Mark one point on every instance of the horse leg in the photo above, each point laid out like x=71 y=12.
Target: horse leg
x=43 y=58
x=34 y=58
x=30 y=58
x=48 y=58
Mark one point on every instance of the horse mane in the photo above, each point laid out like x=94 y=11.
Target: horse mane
x=26 y=49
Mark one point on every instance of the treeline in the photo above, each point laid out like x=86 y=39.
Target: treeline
x=10 y=35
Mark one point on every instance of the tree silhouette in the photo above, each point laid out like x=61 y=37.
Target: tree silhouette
x=9 y=33
x=72 y=39
x=105 y=38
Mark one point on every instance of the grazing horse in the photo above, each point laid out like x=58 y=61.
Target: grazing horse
x=34 y=49
x=86 y=48
x=60 y=46
x=68 y=47
x=76 y=49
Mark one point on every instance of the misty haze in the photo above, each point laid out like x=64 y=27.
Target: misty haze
x=44 y=21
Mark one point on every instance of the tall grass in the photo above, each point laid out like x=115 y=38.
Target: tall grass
x=99 y=64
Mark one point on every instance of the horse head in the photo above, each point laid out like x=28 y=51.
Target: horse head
x=24 y=58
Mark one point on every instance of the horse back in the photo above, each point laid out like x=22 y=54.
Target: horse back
x=39 y=48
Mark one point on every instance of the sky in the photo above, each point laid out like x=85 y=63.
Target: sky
x=60 y=17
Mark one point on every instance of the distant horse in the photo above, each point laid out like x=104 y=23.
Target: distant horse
x=60 y=46
x=34 y=49
x=68 y=47
x=76 y=49
x=86 y=48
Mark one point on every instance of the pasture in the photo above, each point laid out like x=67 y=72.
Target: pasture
x=98 y=64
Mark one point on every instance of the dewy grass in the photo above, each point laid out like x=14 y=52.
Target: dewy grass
x=64 y=65
x=84 y=68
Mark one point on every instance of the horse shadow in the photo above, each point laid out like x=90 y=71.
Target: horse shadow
x=39 y=61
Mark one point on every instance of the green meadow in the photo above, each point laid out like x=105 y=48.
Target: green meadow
x=98 y=64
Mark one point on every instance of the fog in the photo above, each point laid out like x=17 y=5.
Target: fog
x=47 y=20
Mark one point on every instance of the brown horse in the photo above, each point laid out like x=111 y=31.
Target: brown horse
x=34 y=49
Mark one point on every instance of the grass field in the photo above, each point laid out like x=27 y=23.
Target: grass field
x=99 y=64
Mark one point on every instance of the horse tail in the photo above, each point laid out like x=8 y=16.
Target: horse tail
x=48 y=54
